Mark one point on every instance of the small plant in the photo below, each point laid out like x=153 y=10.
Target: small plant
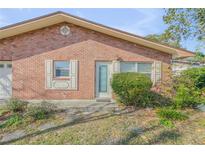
x=37 y=113
x=3 y=111
x=41 y=111
x=48 y=106
x=131 y=88
x=168 y=116
x=15 y=105
x=14 y=120
x=171 y=114
x=167 y=123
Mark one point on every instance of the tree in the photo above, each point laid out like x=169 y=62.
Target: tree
x=199 y=56
x=164 y=39
x=185 y=24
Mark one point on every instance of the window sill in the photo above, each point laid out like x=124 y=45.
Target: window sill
x=61 y=78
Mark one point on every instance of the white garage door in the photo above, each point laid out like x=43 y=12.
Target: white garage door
x=5 y=80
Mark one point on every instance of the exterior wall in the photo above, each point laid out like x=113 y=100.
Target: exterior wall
x=29 y=51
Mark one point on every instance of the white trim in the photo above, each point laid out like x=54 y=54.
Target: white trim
x=48 y=73
x=74 y=74
x=136 y=66
x=68 y=83
x=6 y=80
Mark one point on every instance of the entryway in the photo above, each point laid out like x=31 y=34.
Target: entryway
x=5 y=80
x=103 y=76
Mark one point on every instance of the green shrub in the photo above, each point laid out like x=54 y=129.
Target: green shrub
x=200 y=83
x=48 y=106
x=171 y=114
x=196 y=76
x=14 y=120
x=189 y=87
x=131 y=88
x=37 y=112
x=167 y=123
x=16 y=105
x=42 y=111
x=187 y=97
x=153 y=99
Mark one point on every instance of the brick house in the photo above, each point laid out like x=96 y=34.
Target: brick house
x=60 y=57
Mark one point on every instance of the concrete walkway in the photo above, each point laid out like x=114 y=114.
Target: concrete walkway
x=65 y=104
x=86 y=105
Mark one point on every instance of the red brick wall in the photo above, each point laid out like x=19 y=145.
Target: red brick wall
x=30 y=50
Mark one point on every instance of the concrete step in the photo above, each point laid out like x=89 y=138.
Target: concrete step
x=103 y=99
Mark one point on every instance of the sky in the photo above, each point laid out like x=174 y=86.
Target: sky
x=138 y=21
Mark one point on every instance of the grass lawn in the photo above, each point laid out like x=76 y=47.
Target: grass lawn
x=130 y=127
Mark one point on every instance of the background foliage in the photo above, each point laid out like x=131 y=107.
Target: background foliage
x=189 y=88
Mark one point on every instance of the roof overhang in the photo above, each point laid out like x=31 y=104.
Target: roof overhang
x=60 y=17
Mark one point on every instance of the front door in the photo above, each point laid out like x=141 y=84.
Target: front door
x=103 y=89
x=5 y=80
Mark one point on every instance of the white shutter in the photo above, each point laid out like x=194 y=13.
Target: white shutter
x=74 y=74
x=48 y=73
x=116 y=66
x=157 y=72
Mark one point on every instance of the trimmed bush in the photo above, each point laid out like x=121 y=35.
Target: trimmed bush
x=171 y=114
x=16 y=105
x=131 y=88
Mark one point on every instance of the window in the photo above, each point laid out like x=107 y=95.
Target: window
x=9 y=65
x=61 y=69
x=145 y=68
x=1 y=65
x=127 y=67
